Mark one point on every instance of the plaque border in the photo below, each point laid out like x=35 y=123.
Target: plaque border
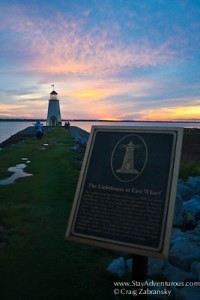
x=163 y=250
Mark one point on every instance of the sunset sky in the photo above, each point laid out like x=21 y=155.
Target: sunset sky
x=107 y=59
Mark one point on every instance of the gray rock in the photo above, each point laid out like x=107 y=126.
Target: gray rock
x=193 y=205
x=188 y=293
x=156 y=267
x=178 y=212
x=197 y=217
x=194 y=235
x=177 y=236
x=183 y=254
x=174 y=274
x=195 y=268
x=118 y=267
x=185 y=191
x=129 y=265
x=193 y=182
x=79 y=134
x=189 y=221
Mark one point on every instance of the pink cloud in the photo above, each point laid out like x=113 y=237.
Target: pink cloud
x=64 y=47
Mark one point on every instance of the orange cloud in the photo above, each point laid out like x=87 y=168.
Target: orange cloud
x=105 y=88
x=13 y=110
x=89 y=93
x=173 y=113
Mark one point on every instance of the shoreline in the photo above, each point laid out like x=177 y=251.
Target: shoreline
x=195 y=121
x=10 y=130
x=18 y=137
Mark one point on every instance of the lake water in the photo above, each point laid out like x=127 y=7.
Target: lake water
x=9 y=128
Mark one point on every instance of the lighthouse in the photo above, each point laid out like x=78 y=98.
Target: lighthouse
x=53 y=115
x=128 y=162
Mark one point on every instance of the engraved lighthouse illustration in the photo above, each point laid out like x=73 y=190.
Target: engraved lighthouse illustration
x=128 y=161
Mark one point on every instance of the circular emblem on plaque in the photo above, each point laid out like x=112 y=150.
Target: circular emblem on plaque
x=129 y=158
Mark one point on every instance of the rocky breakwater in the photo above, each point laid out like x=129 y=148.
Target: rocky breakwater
x=180 y=274
x=184 y=257
x=80 y=141
x=21 y=136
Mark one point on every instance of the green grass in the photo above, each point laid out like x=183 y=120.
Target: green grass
x=189 y=168
x=190 y=164
x=37 y=262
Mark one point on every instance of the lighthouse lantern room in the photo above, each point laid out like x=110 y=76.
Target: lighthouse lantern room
x=53 y=115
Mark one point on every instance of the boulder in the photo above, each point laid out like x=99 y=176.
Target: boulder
x=188 y=293
x=195 y=268
x=183 y=254
x=178 y=211
x=192 y=206
x=189 y=221
x=193 y=182
x=174 y=274
x=118 y=267
x=156 y=267
x=185 y=191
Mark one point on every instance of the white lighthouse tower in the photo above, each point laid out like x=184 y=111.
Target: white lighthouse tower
x=54 y=116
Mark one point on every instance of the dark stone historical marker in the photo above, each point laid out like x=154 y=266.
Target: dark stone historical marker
x=127 y=189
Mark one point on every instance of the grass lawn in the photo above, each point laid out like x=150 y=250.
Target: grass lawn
x=190 y=159
x=36 y=262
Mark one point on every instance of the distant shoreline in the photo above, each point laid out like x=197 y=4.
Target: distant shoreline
x=9 y=127
x=94 y=120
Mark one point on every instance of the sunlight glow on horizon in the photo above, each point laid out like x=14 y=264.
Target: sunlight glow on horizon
x=102 y=111
x=136 y=61
x=182 y=112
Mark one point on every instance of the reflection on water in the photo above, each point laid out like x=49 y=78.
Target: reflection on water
x=18 y=173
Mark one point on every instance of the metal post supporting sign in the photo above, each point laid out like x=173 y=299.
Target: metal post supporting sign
x=139 y=276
